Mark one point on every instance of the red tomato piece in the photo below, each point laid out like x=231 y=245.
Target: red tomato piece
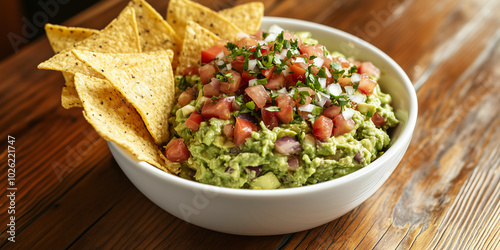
x=258 y=94
x=284 y=100
x=194 y=120
x=247 y=42
x=366 y=85
x=206 y=73
x=369 y=69
x=228 y=130
x=191 y=70
x=332 y=111
x=242 y=130
x=312 y=50
x=276 y=82
x=378 y=120
x=342 y=126
x=269 y=118
x=297 y=73
x=322 y=128
x=233 y=83
x=285 y=115
x=177 y=151
x=211 y=53
x=212 y=89
x=267 y=72
x=238 y=63
x=185 y=97
x=220 y=108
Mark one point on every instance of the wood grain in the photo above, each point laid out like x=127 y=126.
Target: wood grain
x=445 y=194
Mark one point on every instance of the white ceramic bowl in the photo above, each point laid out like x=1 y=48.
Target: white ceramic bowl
x=270 y=212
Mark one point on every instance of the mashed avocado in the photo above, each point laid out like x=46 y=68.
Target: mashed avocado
x=263 y=159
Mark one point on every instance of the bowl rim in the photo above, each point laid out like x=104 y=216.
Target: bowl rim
x=404 y=138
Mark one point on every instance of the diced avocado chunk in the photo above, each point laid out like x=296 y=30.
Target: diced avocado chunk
x=305 y=36
x=367 y=109
x=267 y=181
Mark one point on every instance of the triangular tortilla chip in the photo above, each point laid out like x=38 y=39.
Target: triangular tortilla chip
x=120 y=36
x=180 y=12
x=196 y=39
x=116 y=120
x=247 y=16
x=147 y=83
x=61 y=38
x=154 y=32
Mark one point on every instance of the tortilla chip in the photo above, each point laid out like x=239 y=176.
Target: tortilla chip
x=180 y=12
x=247 y=16
x=154 y=32
x=120 y=36
x=116 y=120
x=145 y=79
x=61 y=38
x=196 y=39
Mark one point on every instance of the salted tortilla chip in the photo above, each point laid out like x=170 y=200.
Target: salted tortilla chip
x=180 y=12
x=196 y=39
x=154 y=32
x=120 y=36
x=116 y=120
x=61 y=38
x=147 y=82
x=247 y=16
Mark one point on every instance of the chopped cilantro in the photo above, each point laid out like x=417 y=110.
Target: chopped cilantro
x=273 y=108
x=250 y=105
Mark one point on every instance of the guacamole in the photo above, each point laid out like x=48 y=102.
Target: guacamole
x=277 y=110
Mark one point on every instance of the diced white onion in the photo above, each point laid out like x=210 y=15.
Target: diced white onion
x=322 y=82
x=242 y=35
x=358 y=97
x=334 y=89
x=188 y=109
x=292 y=93
x=220 y=62
x=321 y=98
x=271 y=37
x=220 y=55
x=307 y=108
x=230 y=98
x=252 y=82
x=251 y=64
x=349 y=90
x=299 y=60
x=347 y=113
x=355 y=77
x=328 y=74
x=318 y=62
x=275 y=29
x=283 y=90
x=228 y=66
x=282 y=54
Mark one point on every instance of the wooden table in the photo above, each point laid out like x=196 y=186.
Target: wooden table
x=445 y=193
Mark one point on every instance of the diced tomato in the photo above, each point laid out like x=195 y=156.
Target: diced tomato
x=228 y=130
x=343 y=62
x=366 y=85
x=332 y=111
x=284 y=100
x=212 y=89
x=177 y=151
x=378 y=120
x=206 y=73
x=345 y=81
x=312 y=50
x=185 y=97
x=322 y=128
x=211 y=53
x=297 y=73
x=243 y=130
x=191 y=70
x=258 y=94
x=285 y=115
x=269 y=118
x=238 y=63
x=327 y=63
x=267 y=72
x=258 y=35
x=276 y=82
x=247 y=42
x=220 y=108
x=342 y=126
x=369 y=69
x=233 y=83
x=194 y=120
